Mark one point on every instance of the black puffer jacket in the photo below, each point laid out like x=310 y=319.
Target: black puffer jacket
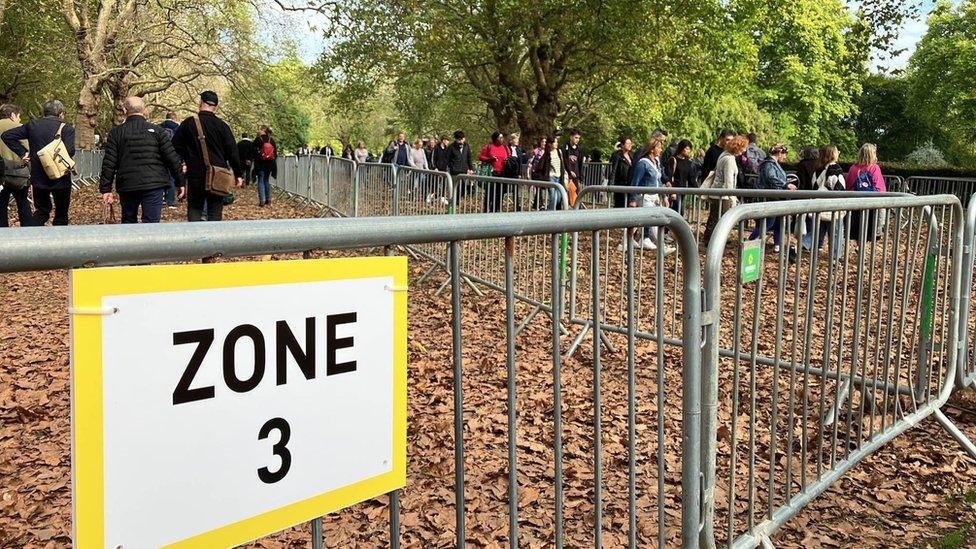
x=138 y=157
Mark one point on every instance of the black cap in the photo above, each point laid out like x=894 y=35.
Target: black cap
x=209 y=97
x=458 y=134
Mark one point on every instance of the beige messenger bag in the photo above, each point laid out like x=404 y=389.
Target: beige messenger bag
x=54 y=157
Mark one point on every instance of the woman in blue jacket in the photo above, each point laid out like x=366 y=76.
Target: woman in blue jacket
x=647 y=173
x=772 y=176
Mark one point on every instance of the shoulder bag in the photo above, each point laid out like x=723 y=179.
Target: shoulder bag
x=218 y=181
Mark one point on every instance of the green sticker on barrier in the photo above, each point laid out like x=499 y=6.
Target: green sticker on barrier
x=751 y=260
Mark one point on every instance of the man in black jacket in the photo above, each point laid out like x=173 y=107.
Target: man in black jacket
x=139 y=160
x=715 y=151
x=245 y=150
x=223 y=153
x=38 y=133
x=439 y=156
x=459 y=162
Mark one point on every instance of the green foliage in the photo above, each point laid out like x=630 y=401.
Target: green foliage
x=38 y=56
x=942 y=73
x=926 y=155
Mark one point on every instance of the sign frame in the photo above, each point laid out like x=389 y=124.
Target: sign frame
x=87 y=288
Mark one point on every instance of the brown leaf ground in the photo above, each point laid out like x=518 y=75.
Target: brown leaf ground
x=917 y=491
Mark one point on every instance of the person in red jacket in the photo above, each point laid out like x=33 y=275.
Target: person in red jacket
x=494 y=154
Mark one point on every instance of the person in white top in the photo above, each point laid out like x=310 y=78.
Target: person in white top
x=361 y=153
x=724 y=177
x=417 y=157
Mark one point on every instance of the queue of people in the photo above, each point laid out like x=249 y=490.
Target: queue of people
x=150 y=166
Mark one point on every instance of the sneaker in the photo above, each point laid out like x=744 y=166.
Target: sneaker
x=648 y=244
x=445 y=201
x=776 y=249
x=430 y=198
x=669 y=250
x=171 y=207
x=623 y=247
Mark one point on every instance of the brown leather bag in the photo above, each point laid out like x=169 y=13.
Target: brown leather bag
x=219 y=181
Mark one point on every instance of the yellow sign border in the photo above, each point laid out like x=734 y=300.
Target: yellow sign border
x=87 y=288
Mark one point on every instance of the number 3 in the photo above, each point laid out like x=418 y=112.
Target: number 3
x=279 y=449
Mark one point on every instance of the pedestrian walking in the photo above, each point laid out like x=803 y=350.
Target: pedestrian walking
x=682 y=173
x=459 y=162
x=715 y=151
x=621 y=163
x=494 y=154
x=170 y=125
x=398 y=152
x=362 y=154
x=50 y=193
x=215 y=141
x=139 y=162
x=829 y=177
x=439 y=156
x=723 y=176
x=245 y=151
x=15 y=181
x=265 y=152
x=647 y=174
x=552 y=168
x=865 y=176
x=772 y=177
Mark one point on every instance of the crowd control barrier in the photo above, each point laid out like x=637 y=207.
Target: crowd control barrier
x=837 y=347
x=962 y=187
x=672 y=487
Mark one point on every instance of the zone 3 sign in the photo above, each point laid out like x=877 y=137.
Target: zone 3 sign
x=215 y=404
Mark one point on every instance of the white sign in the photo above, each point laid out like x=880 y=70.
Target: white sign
x=233 y=412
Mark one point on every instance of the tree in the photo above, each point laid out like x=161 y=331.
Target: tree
x=522 y=60
x=32 y=45
x=95 y=43
x=942 y=71
x=886 y=119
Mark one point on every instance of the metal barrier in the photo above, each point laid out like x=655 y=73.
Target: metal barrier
x=375 y=184
x=809 y=391
x=342 y=186
x=962 y=187
x=676 y=443
x=966 y=370
x=594 y=173
x=88 y=167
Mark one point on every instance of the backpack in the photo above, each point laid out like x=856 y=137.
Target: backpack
x=267 y=152
x=864 y=182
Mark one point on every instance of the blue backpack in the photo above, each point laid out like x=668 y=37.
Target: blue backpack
x=864 y=182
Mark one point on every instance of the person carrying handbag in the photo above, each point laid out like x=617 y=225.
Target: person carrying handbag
x=15 y=178
x=207 y=146
x=52 y=191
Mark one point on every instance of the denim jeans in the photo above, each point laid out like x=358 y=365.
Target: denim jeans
x=835 y=230
x=264 y=187
x=772 y=224
x=554 y=193
x=23 y=206
x=151 y=202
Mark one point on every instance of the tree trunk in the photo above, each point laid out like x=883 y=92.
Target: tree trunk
x=87 y=116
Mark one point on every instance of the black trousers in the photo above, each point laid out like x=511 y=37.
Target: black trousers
x=199 y=200
x=23 y=206
x=43 y=199
x=150 y=201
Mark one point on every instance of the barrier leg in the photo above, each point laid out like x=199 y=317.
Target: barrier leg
x=395 y=519
x=317 y=533
x=960 y=437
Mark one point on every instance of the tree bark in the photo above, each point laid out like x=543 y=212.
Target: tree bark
x=88 y=99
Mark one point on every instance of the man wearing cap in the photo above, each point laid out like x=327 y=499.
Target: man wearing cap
x=223 y=153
